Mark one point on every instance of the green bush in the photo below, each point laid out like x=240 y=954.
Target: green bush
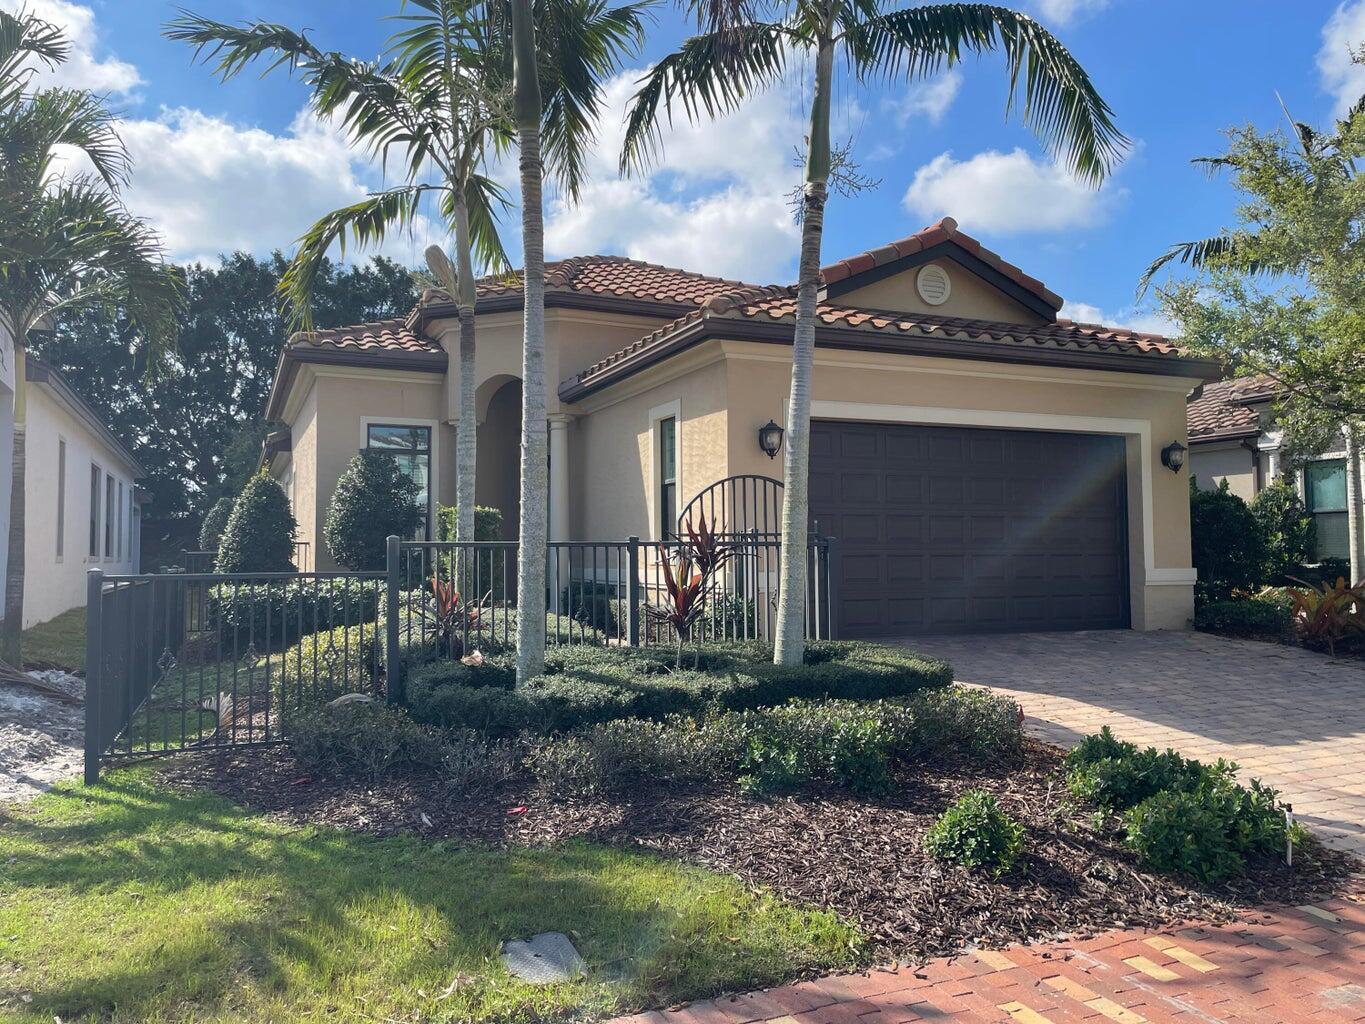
x=595 y=605
x=367 y=738
x=374 y=498
x=1288 y=531
x=975 y=833
x=487 y=522
x=259 y=534
x=1255 y=617
x=1227 y=547
x=1104 y=771
x=584 y=685
x=270 y=616
x=955 y=720
x=211 y=529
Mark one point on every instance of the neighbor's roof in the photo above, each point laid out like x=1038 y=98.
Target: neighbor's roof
x=38 y=372
x=614 y=278
x=769 y=313
x=944 y=231
x=1223 y=411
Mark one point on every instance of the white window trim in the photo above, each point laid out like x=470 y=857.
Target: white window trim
x=657 y=414
x=434 y=484
x=1153 y=576
x=98 y=501
x=64 y=496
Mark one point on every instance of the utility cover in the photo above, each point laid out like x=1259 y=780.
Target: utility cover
x=543 y=959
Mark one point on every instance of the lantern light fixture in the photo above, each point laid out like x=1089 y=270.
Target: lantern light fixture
x=770 y=439
x=1173 y=456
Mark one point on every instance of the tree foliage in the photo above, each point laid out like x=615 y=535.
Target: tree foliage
x=1286 y=528
x=373 y=499
x=1227 y=548
x=259 y=535
x=211 y=530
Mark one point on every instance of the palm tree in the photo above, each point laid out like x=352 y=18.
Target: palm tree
x=715 y=71
x=66 y=241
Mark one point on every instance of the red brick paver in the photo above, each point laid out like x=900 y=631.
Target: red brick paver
x=1289 y=966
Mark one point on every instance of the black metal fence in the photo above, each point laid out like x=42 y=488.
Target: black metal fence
x=195 y=660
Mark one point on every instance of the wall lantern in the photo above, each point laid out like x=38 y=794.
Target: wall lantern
x=770 y=439
x=1173 y=456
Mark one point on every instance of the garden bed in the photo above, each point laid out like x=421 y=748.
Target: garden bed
x=858 y=856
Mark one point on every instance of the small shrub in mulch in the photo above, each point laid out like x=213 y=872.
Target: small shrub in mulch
x=976 y=833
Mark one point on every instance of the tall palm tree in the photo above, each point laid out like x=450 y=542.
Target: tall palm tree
x=715 y=71
x=66 y=241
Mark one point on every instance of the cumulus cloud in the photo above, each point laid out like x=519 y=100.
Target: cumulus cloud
x=1133 y=317
x=1007 y=192
x=929 y=100
x=84 y=69
x=1343 y=33
x=1064 y=12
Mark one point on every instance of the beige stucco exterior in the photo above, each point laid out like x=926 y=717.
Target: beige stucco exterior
x=1234 y=461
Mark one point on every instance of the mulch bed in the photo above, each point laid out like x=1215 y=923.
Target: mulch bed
x=859 y=857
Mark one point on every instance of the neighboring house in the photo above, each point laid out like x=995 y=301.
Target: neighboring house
x=1233 y=437
x=985 y=465
x=81 y=504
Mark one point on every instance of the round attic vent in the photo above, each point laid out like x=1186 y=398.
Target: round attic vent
x=933 y=284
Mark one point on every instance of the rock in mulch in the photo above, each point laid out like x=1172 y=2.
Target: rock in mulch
x=42 y=739
x=828 y=848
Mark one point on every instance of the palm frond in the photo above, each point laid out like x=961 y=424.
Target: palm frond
x=1059 y=101
x=709 y=75
x=1201 y=254
x=26 y=38
x=237 y=47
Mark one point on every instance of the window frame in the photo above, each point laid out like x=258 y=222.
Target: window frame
x=432 y=427
x=96 y=492
x=1319 y=514
x=109 y=514
x=654 y=473
x=61 y=498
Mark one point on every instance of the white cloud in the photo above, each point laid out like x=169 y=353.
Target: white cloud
x=1064 y=12
x=1135 y=318
x=706 y=204
x=1007 y=192
x=1344 y=32
x=929 y=100
x=83 y=69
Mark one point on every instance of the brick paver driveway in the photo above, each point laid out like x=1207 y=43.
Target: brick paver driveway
x=1292 y=718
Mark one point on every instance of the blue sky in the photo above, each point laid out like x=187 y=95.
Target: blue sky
x=244 y=165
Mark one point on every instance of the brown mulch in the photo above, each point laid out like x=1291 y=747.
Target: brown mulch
x=829 y=848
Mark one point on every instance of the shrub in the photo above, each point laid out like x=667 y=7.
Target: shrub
x=374 y=498
x=975 y=833
x=487 y=522
x=369 y=738
x=1258 y=617
x=959 y=720
x=1104 y=771
x=1227 y=547
x=270 y=616
x=259 y=534
x=471 y=761
x=211 y=529
x=1287 y=530
x=595 y=605
x=1328 y=614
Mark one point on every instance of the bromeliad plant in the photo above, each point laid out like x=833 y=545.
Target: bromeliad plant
x=456 y=618
x=688 y=579
x=1328 y=613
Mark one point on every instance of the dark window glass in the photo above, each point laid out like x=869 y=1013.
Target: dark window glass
x=668 y=478
x=411 y=446
x=94 y=511
x=1324 y=485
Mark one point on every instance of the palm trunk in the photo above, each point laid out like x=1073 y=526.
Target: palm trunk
x=1355 y=543
x=466 y=437
x=12 y=629
x=534 y=469
x=790 y=644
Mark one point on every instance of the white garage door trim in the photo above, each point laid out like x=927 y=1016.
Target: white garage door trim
x=1142 y=429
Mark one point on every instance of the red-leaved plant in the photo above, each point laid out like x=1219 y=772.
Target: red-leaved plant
x=688 y=576
x=456 y=618
x=1329 y=613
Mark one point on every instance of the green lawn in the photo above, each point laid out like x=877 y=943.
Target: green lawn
x=127 y=902
x=59 y=641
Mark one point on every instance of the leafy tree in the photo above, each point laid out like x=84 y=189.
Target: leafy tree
x=1286 y=528
x=211 y=532
x=714 y=72
x=1282 y=292
x=1228 y=550
x=259 y=535
x=373 y=499
x=66 y=241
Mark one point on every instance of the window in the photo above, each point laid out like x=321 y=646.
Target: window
x=118 y=544
x=668 y=478
x=109 y=515
x=94 y=511
x=411 y=446
x=61 y=498
x=1324 y=486
x=130 y=523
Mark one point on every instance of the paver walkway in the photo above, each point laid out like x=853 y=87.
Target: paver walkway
x=1301 y=964
x=1290 y=717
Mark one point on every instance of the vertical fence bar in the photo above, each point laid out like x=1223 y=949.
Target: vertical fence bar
x=832 y=585
x=94 y=665
x=633 y=591
x=391 y=669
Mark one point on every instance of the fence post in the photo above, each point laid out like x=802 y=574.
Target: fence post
x=633 y=591
x=832 y=584
x=94 y=672
x=392 y=669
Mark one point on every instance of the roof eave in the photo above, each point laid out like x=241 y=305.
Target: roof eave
x=291 y=358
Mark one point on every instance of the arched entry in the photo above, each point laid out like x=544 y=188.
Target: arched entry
x=498 y=478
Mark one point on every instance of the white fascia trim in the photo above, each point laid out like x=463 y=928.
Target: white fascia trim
x=433 y=484
x=1142 y=429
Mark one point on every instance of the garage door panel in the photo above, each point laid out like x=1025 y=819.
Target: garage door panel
x=948 y=529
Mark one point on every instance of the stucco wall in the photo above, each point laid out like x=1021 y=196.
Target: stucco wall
x=53 y=584
x=969 y=296
x=1211 y=464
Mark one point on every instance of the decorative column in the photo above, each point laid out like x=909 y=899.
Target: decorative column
x=559 y=564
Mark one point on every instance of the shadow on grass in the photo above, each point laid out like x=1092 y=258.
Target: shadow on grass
x=128 y=902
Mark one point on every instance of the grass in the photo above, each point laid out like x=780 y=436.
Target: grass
x=59 y=641
x=128 y=902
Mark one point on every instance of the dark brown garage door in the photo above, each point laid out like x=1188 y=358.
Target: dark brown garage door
x=961 y=530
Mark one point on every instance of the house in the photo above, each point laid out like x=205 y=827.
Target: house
x=82 y=507
x=985 y=465
x=1234 y=437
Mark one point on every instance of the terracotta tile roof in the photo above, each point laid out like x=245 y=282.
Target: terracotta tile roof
x=382 y=336
x=1221 y=410
x=944 y=231
x=617 y=276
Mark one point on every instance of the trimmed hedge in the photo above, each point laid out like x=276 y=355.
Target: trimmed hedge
x=1254 y=617
x=259 y=534
x=272 y=616
x=588 y=685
